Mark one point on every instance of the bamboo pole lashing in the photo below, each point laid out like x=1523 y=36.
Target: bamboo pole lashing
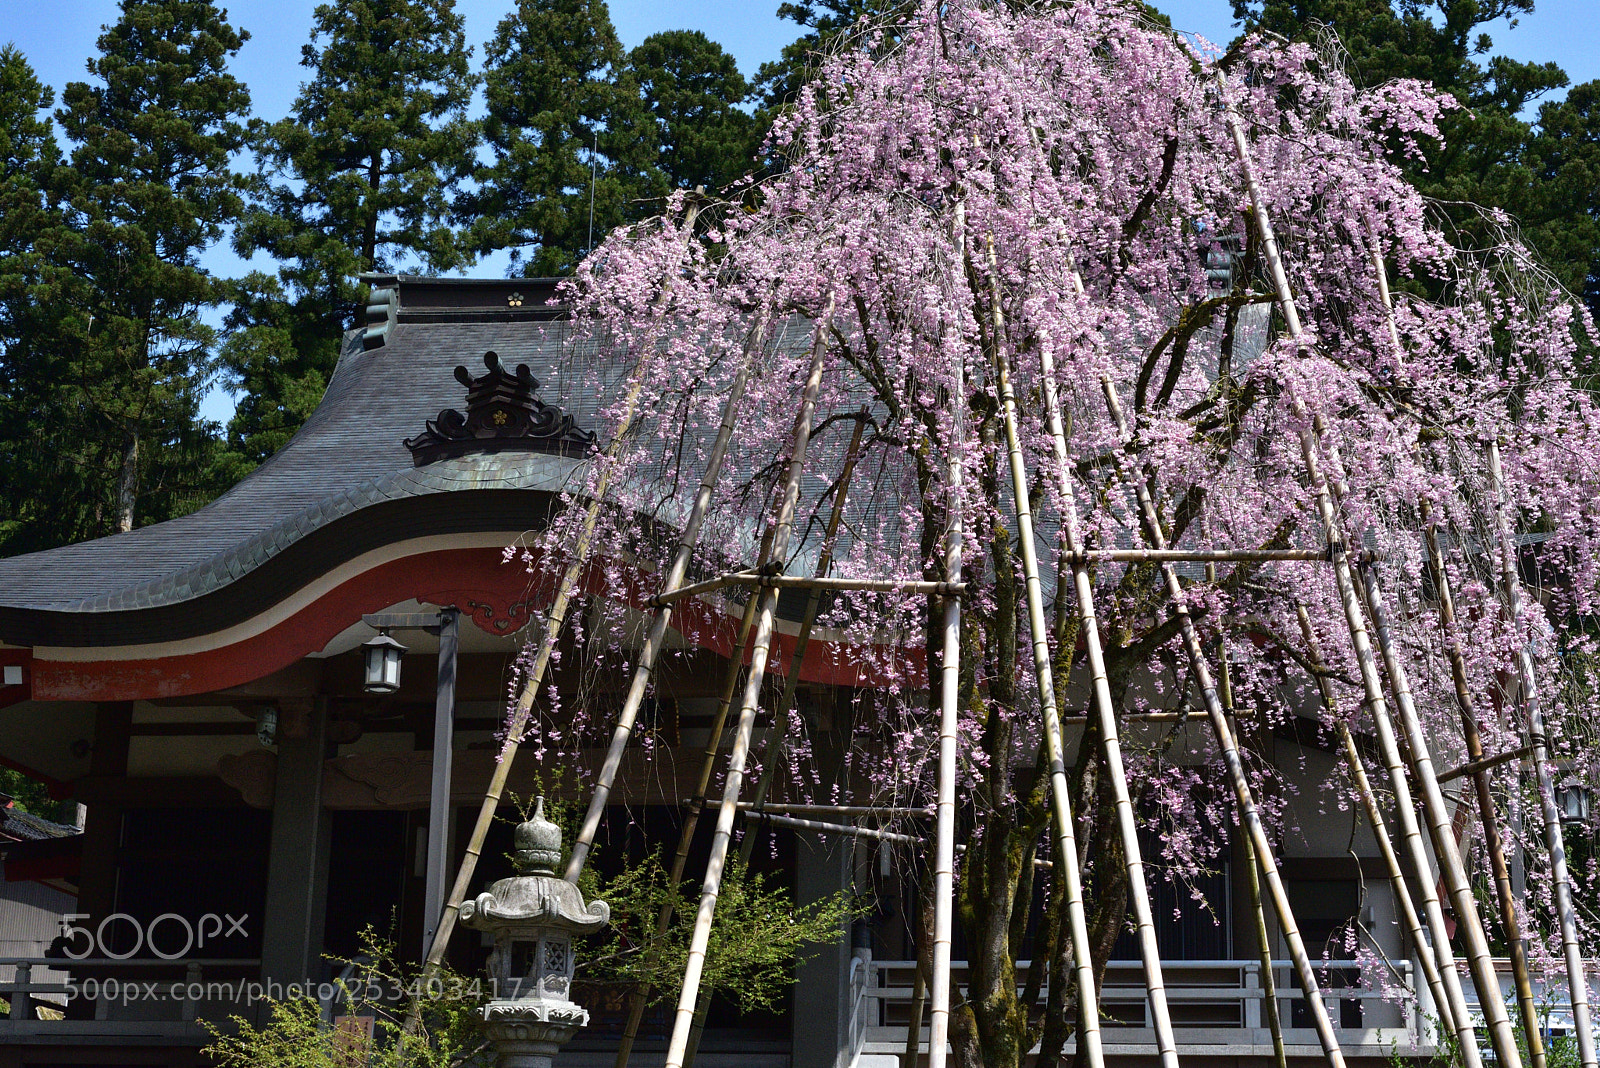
x=1532 y=703
x=1244 y=798
x=1426 y=960
x=1066 y=852
x=640 y=997
x=555 y=618
x=644 y=670
x=760 y=650
x=1350 y=603
x=1488 y=817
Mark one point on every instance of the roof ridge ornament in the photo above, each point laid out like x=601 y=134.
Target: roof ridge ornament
x=502 y=415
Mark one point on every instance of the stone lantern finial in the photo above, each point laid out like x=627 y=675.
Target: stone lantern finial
x=537 y=844
x=533 y=917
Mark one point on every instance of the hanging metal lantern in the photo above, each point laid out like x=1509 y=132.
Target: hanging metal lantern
x=1575 y=801
x=382 y=658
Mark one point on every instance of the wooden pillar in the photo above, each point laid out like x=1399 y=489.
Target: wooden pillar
x=297 y=864
x=102 y=829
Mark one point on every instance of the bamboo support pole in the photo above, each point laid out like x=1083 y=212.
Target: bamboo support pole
x=1472 y=767
x=1207 y=556
x=1487 y=810
x=919 y=994
x=1269 y=981
x=645 y=669
x=1426 y=959
x=1089 y=1040
x=555 y=621
x=772 y=749
x=944 y=848
x=850 y=830
x=1372 y=687
x=1243 y=797
x=1511 y=590
x=838 y=810
x=1451 y=869
x=639 y=998
x=761 y=648
x=804 y=582
x=846 y=830
x=1469 y=728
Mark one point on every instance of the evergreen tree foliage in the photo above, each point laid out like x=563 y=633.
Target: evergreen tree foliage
x=573 y=147
x=361 y=176
x=1563 y=166
x=692 y=88
x=1490 y=155
x=779 y=80
x=28 y=228
x=115 y=361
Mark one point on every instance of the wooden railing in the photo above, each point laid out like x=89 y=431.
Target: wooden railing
x=1214 y=1001
x=136 y=997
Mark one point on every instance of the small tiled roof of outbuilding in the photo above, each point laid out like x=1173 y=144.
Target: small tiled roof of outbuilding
x=19 y=825
x=348 y=460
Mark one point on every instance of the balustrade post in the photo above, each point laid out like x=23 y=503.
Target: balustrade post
x=20 y=1000
x=1252 y=998
x=189 y=1006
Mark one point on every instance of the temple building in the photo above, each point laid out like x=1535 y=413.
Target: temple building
x=254 y=800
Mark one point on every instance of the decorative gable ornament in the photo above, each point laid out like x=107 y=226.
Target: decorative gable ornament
x=502 y=415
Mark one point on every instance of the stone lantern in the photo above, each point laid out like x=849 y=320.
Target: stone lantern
x=533 y=917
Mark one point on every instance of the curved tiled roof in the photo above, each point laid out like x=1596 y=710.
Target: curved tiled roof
x=349 y=458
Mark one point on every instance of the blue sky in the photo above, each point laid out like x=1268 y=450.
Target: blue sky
x=58 y=35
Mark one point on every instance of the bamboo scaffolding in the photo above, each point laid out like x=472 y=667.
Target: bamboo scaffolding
x=555 y=621
x=771 y=751
x=1243 y=797
x=639 y=998
x=944 y=849
x=645 y=669
x=766 y=616
x=1060 y=792
x=1487 y=810
x=1356 y=624
x=1426 y=959
x=1511 y=590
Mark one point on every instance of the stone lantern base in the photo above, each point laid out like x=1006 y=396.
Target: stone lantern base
x=529 y=1032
